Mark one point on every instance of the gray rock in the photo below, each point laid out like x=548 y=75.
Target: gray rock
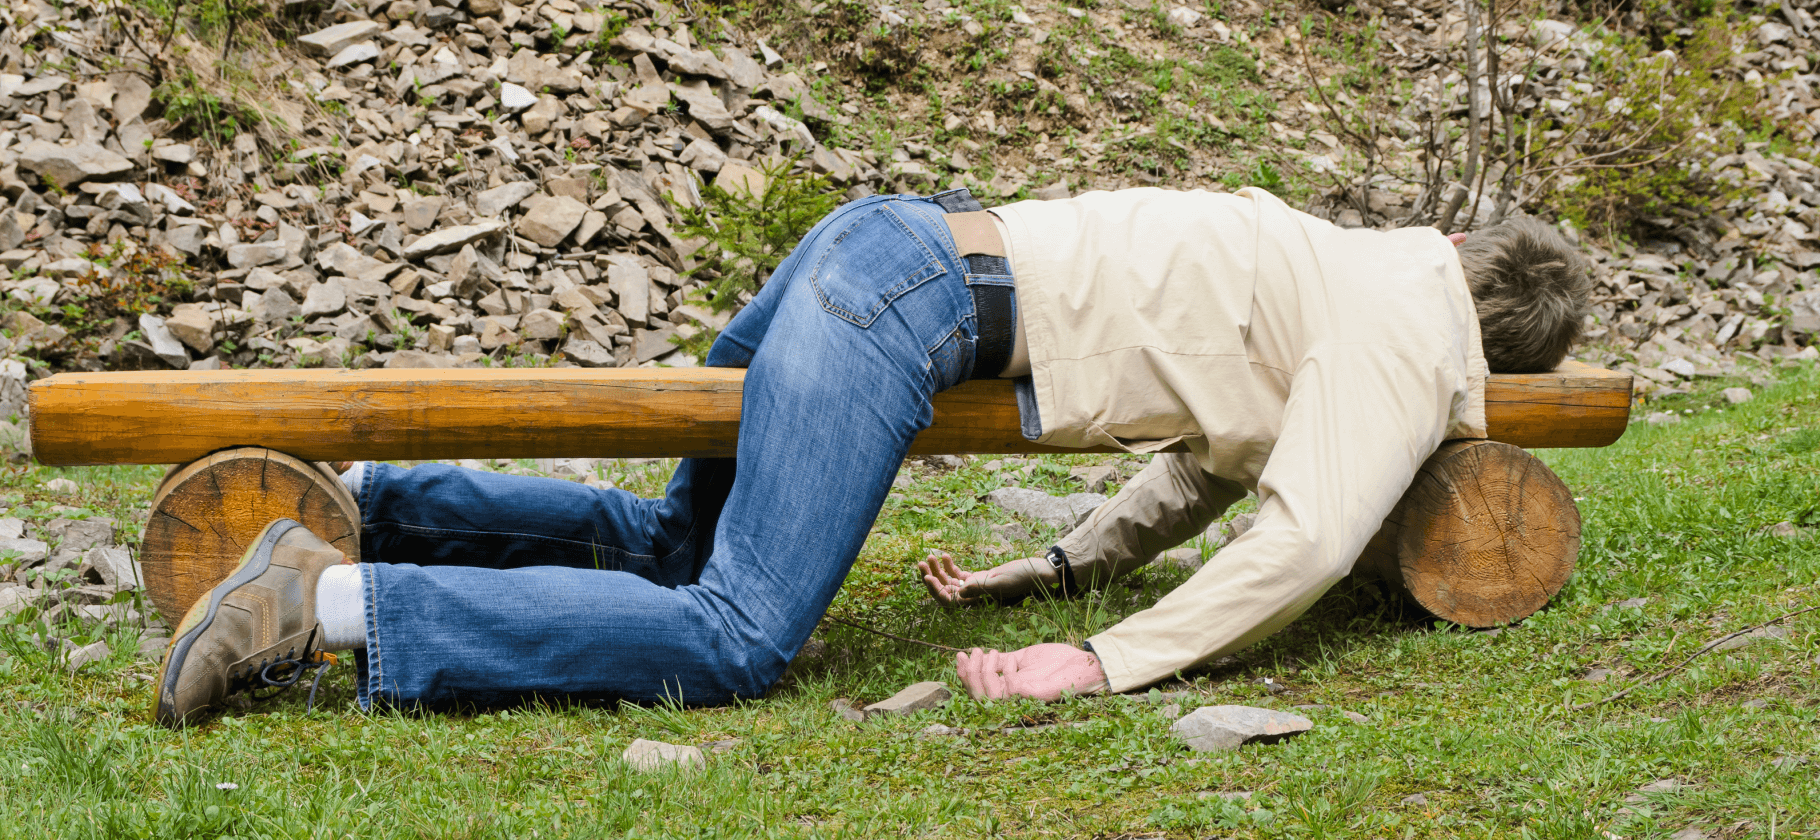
x=1736 y=395
x=67 y=166
x=168 y=197
x=845 y=708
x=504 y=197
x=334 y=39
x=61 y=485
x=1186 y=557
x=1657 y=786
x=1631 y=603
x=631 y=283
x=132 y=95
x=1662 y=418
x=113 y=565
x=1750 y=638
x=540 y=325
x=1064 y=512
x=194 y=327
x=1680 y=367
x=704 y=104
x=1691 y=832
x=646 y=756
x=29 y=552
x=153 y=647
x=13 y=399
x=1414 y=800
x=1237 y=526
x=12 y=528
x=1094 y=479
x=86 y=655
x=355 y=54
x=74 y=537
x=1228 y=795
x=178 y=153
x=539 y=117
x=1225 y=728
x=652 y=344
x=256 y=254
x=14 y=599
x=940 y=730
x=1783 y=529
x=1804 y=312
x=551 y=220
x=325 y=298
x=274 y=306
x=420 y=213
x=917 y=698
x=451 y=239
x=162 y=342
x=346 y=260
x=419 y=359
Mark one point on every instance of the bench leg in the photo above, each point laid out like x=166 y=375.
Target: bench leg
x=1485 y=535
x=206 y=512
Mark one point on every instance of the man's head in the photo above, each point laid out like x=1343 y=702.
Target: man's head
x=1530 y=288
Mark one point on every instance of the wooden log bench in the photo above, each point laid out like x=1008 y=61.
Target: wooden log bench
x=1485 y=536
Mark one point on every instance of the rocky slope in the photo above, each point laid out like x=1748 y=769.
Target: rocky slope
x=467 y=182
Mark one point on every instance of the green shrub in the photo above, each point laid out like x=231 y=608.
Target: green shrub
x=748 y=235
x=1658 y=112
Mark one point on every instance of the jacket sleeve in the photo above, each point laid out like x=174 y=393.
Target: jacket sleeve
x=1163 y=506
x=1358 y=424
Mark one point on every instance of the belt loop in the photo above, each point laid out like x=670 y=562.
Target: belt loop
x=994 y=305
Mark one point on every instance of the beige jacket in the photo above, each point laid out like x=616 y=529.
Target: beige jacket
x=1315 y=365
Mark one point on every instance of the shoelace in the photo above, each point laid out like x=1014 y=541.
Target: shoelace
x=274 y=677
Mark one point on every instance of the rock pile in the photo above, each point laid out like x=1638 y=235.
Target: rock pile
x=496 y=181
x=71 y=572
x=464 y=195
x=1696 y=290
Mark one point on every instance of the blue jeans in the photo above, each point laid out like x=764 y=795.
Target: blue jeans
x=484 y=588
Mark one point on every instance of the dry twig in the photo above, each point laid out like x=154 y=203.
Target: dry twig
x=1696 y=655
x=858 y=626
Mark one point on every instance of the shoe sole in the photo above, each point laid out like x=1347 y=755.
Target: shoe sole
x=255 y=562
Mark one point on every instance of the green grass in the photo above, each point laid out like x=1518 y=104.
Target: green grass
x=1478 y=722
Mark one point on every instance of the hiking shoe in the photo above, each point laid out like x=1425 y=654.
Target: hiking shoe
x=256 y=630
x=205 y=514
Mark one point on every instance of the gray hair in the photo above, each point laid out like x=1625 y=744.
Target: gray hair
x=1530 y=287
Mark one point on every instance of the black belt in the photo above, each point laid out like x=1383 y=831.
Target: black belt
x=994 y=306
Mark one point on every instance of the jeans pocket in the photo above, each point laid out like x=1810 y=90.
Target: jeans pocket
x=869 y=263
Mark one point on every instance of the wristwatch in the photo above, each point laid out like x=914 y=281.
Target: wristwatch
x=1064 y=573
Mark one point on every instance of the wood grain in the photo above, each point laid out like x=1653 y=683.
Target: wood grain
x=1484 y=536
x=319 y=415
x=206 y=513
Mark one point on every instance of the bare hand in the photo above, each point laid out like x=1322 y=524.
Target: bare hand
x=1039 y=671
x=951 y=585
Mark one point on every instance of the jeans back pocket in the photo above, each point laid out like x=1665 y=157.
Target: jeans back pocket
x=869 y=263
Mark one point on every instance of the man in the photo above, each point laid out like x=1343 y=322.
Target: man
x=1346 y=363
x=1321 y=365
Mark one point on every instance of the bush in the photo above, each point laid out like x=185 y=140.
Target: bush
x=1659 y=113
x=750 y=234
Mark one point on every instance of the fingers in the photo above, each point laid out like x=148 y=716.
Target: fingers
x=954 y=571
x=982 y=672
x=943 y=578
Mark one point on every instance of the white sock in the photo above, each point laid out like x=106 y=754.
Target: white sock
x=353 y=476
x=341 y=608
